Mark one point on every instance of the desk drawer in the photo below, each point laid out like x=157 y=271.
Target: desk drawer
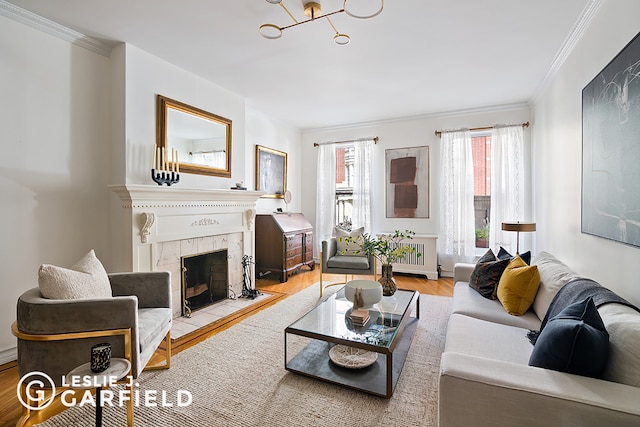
x=292 y=262
x=294 y=252
x=293 y=241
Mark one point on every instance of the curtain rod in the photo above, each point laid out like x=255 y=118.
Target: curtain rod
x=524 y=125
x=317 y=144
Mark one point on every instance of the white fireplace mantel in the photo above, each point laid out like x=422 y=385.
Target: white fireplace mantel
x=159 y=214
x=154 y=194
x=155 y=219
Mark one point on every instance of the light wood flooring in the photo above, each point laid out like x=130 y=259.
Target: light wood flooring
x=10 y=408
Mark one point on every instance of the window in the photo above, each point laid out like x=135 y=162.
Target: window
x=481 y=146
x=344 y=186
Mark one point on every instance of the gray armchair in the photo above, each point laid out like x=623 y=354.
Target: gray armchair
x=55 y=336
x=333 y=262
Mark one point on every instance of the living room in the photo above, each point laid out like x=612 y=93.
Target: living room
x=77 y=120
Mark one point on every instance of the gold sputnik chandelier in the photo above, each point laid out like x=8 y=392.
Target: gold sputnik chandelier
x=313 y=11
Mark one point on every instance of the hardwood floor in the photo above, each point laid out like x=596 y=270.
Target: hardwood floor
x=10 y=408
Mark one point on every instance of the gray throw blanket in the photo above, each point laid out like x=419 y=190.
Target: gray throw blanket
x=575 y=291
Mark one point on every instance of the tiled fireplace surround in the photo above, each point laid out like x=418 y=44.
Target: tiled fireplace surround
x=162 y=224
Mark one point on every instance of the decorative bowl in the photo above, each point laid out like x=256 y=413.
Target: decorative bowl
x=371 y=291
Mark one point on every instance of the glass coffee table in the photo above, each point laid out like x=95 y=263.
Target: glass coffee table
x=327 y=345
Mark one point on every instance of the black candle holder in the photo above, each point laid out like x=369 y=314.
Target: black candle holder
x=165 y=177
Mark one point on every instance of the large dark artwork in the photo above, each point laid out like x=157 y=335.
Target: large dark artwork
x=611 y=149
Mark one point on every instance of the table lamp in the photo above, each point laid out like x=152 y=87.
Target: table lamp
x=518 y=227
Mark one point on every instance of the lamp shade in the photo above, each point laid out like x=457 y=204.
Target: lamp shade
x=519 y=226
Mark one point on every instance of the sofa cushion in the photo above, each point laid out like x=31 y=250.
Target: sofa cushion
x=486 y=274
x=518 y=286
x=475 y=337
x=623 y=325
x=346 y=248
x=470 y=303
x=348 y=262
x=86 y=279
x=553 y=275
x=151 y=322
x=574 y=341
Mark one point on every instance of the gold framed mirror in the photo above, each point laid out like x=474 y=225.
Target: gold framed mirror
x=201 y=139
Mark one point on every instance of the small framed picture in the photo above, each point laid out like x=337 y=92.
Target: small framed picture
x=271 y=172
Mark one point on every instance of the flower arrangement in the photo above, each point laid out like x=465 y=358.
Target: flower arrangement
x=387 y=248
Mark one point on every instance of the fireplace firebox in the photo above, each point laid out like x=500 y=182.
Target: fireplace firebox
x=204 y=280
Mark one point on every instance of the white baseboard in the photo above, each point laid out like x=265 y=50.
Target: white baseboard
x=8 y=355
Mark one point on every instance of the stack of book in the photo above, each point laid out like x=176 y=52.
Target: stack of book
x=360 y=317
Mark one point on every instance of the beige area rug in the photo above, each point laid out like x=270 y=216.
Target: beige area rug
x=237 y=378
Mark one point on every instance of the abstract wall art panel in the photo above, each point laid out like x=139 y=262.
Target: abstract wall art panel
x=611 y=149
x=407 y=182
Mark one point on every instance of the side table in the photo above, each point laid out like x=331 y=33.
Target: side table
x=116 y=371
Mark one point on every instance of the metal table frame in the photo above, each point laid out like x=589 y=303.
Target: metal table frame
x=378 y=379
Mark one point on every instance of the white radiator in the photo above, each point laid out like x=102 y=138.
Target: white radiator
x=426 y=264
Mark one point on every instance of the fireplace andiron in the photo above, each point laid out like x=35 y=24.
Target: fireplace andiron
x=165 y=177
x=248 y=291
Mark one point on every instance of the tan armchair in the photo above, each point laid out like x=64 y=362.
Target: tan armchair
x=55 y=336
x=334 y=263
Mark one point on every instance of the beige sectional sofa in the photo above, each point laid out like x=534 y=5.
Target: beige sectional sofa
x=485 y=378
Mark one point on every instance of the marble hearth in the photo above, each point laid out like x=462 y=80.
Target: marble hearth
x=159 y=225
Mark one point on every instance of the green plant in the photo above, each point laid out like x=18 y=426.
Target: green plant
x=482 y=233
x=387 y=248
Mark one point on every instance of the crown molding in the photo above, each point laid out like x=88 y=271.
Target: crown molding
x=581 y=25
x=450 y=113
x=37 y=22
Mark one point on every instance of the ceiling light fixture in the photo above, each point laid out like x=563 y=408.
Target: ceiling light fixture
x=313 y=11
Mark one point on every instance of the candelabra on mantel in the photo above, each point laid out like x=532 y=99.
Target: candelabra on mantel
x=165 y=171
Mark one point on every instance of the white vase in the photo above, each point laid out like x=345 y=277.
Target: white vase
x=371 y=292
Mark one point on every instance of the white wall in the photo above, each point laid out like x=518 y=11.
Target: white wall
x=261 y=130
x=141 y=77
x=145 y=77
x=72 y=123
x=55 y=130
x=410 y=132
x=557 y=142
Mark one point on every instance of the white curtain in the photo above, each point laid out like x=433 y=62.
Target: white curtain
x=507 y=184
x=457 y=232
x=325 y=194
x=363 y=159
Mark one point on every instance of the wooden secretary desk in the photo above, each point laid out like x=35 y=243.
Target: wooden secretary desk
x=284 y=243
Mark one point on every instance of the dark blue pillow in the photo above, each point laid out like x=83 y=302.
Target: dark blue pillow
x=486 y=275
x=504 y=254
x=575 y=341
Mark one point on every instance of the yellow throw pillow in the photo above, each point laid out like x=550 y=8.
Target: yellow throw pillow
x=518 y=286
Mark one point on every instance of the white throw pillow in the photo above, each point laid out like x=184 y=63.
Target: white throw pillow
x=86 y=279
x=553 y=275
x=349 y=249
